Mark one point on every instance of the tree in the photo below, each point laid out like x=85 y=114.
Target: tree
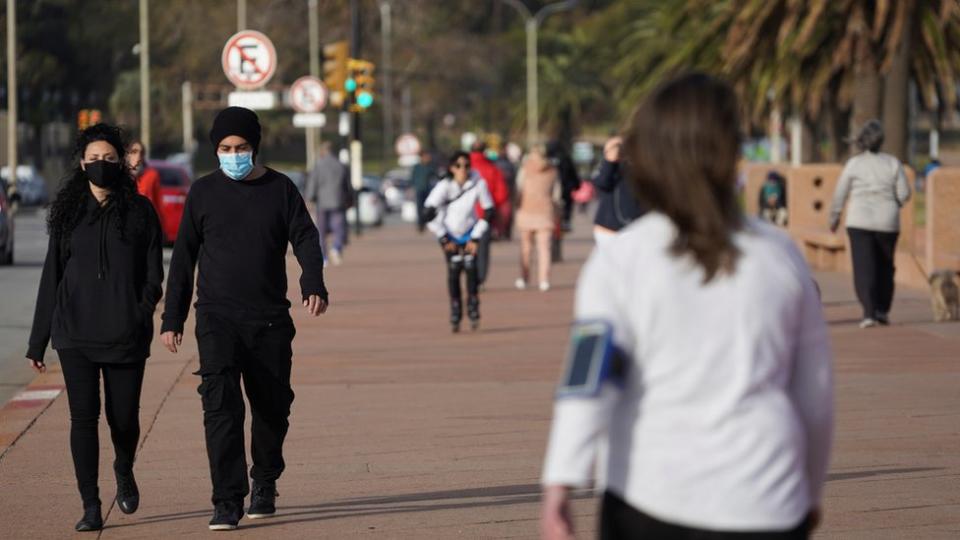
x=815 y=57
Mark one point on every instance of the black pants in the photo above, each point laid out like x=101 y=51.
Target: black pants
x=483 y=256
x=460 y=262
x=121 y=388
x=873 y=255
x=619 y=520
x=256 y=350
x=421 y=201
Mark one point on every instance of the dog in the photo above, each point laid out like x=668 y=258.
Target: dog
x=945 y=295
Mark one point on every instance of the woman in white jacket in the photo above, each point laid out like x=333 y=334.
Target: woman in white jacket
x=721 y=422
x=450 y=209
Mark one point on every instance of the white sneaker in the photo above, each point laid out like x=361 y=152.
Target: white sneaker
x=520 y=284
x=544 y=286
x=868 y=323
x=335 y=258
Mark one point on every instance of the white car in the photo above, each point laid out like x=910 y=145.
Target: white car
x=370 y=202
x=31 y=186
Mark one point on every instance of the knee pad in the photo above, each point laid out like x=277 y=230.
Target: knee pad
x=469 y=261
x=456 y=263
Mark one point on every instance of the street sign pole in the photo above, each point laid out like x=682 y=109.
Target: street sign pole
x=12 y=94
x=145 y=76
x=313 y=134
x=356 y=146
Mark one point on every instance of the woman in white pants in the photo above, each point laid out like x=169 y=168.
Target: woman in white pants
x=719 y=424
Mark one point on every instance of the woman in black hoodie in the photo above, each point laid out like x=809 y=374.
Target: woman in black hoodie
x=100 y=284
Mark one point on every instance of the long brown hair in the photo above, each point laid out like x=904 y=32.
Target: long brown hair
x=682 y=147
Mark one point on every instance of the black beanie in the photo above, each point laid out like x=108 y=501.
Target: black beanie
x=236 y=121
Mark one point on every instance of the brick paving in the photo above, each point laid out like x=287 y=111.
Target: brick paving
x=402 y=430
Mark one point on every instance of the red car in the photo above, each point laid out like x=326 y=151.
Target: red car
x=174 y=185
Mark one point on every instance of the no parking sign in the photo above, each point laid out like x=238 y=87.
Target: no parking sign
x=249 y=59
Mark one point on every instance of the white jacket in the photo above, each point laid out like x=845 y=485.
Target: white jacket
x=455 y=207
x=726 y=416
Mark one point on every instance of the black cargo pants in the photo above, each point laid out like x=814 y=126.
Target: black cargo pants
x=256 y=350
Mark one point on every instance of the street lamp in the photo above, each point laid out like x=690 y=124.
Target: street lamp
x=533 y=21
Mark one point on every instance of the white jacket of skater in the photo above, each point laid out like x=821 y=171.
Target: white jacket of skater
x=726 y=417
x=455 y=207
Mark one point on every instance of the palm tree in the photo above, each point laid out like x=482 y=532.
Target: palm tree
x=819 y=58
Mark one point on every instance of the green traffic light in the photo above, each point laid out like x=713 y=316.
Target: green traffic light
x=350 y=85
x=365 y=99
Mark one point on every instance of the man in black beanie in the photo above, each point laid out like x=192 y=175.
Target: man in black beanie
x=242 y=215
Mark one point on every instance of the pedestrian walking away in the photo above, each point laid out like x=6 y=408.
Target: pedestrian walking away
x=877 y=187
x=423 y=177
x=450 y=209
x=699 y=376
x=569 y=180
x=100 y=284
x=537 y=215
x=618 y=205
x=328 y=189
x=237 y=223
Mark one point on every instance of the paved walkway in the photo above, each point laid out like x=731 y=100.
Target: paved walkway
x=402 y=430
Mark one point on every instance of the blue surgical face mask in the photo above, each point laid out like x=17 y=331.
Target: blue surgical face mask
x=236 y=166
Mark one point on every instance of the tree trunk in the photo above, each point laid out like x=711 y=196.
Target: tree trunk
x=867 y=86
x=896 y=118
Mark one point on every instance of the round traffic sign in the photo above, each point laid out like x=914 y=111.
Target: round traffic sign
x=249 y=59
x=308 y=94
x=408 y=145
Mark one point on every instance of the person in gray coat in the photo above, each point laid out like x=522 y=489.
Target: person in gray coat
x=327 y=187
x=877 y=188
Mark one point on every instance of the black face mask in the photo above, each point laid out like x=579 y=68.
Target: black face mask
x=104 y=174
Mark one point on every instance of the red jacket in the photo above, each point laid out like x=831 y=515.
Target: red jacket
x=148 y=185
x=493 y=175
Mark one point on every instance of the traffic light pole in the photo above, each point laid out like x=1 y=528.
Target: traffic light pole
x=356 y=146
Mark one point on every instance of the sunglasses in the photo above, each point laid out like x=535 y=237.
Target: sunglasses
x=461 y=165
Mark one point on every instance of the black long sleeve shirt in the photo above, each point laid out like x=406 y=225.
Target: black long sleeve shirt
x=98 y=289
x=238 y=232
x=618 y=205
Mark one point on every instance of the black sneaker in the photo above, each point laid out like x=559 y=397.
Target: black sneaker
x=128 y=495
x=226 y=516
x=92 y=519
x=263 y=503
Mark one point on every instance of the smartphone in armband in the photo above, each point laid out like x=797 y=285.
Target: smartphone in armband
x=592 y=359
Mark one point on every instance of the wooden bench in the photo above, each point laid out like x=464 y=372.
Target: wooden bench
x=822 y=248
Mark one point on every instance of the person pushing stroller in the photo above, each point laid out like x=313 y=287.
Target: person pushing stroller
x=450 y=210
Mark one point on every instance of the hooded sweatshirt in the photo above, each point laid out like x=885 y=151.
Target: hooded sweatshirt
x=98 y=289
x=238 y=231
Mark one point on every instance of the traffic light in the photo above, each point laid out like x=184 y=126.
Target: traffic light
x=88 y=117
x=360 y=84
x=335 y=57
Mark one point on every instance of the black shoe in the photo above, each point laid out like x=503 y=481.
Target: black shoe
x=92 y=519
x=263 y=503
x=128 y=495
x=226 y=516
x=473 y=311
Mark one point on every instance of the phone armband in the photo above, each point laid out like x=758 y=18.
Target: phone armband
x=592 y=360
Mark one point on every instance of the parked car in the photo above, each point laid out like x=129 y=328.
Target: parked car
x=30 y=185
x=396 y=188
x=174 y=185
x=6 y=228
x=370 y=202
